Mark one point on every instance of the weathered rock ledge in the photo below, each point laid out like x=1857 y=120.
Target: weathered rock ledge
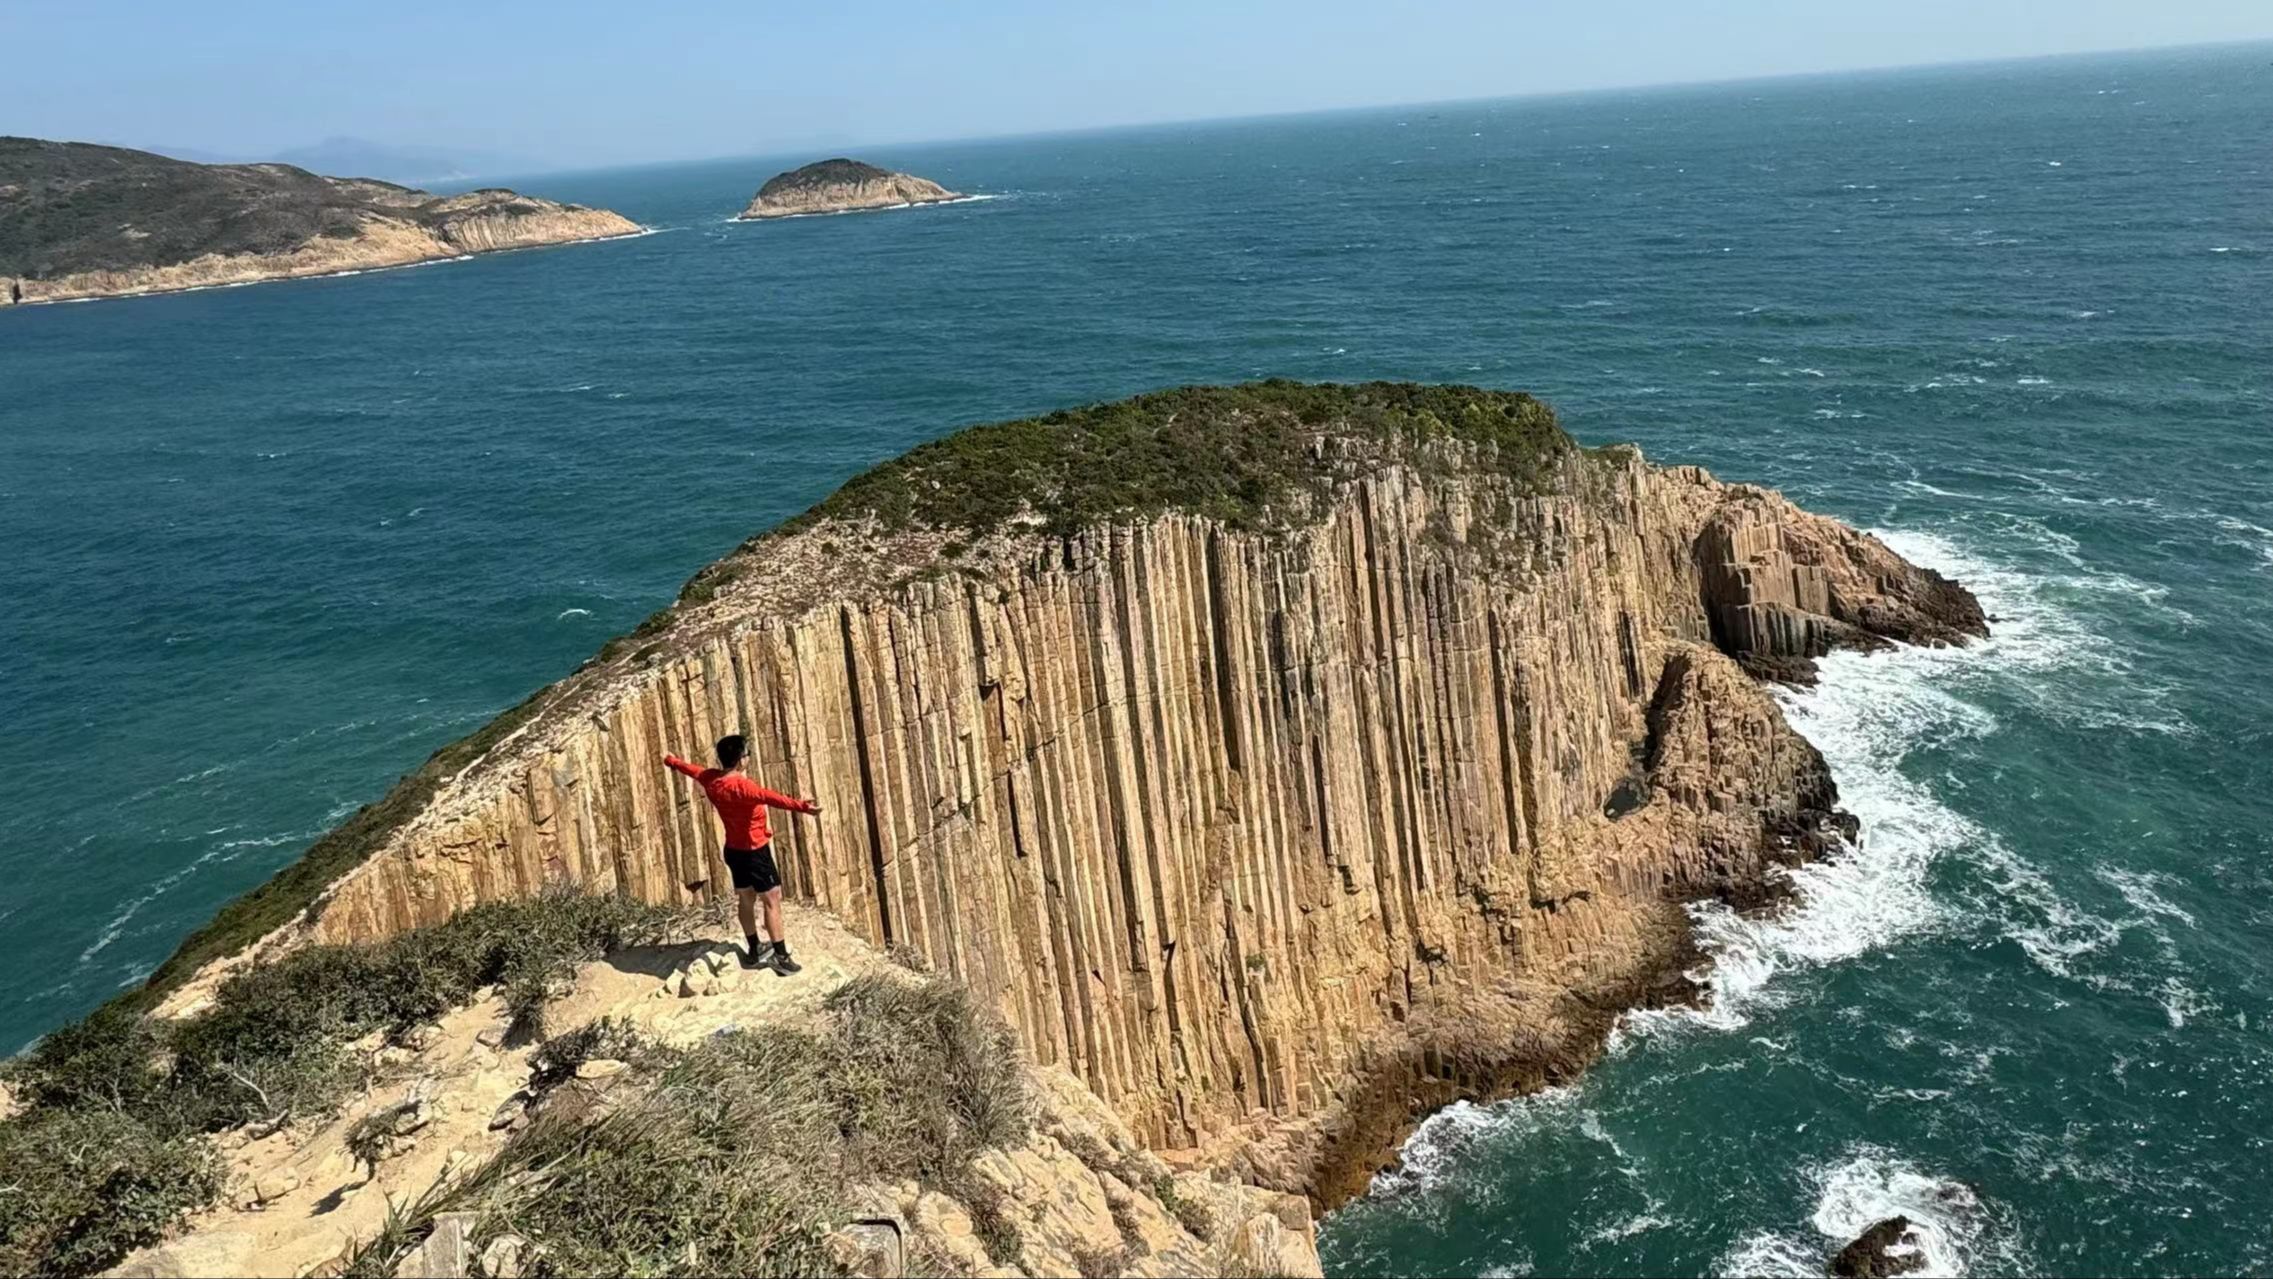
x=1276 y=833
x=840 y=186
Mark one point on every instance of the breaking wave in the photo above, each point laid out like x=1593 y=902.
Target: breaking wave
x=1951 y=1230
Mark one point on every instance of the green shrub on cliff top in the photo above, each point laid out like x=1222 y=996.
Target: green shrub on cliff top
x=1233 y=453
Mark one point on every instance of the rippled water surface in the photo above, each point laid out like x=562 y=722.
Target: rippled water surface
x=266 y=547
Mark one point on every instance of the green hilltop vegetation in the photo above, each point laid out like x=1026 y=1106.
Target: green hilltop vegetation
x=1245 y=455
x=822 y=173
x=1252 y=456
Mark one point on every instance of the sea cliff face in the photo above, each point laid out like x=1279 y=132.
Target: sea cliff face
x=841 y=186
x=1275 y=838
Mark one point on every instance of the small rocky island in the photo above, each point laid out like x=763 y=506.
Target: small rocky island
x=841 y=186
x=85 y=221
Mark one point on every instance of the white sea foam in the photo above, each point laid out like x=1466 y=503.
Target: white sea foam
x=573 y=612
x=1950 y=1229
x=2138 y=888
x=1865 y=715
x=877 y=208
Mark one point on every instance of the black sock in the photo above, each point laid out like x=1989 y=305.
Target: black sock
x=752 y=938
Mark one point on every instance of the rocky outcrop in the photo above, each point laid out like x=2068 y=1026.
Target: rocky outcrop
x=1888 y=1248
x=79 y=221
x=1273 y=837
x=841 y=186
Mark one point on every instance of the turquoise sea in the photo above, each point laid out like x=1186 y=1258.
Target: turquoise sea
x=266 y=547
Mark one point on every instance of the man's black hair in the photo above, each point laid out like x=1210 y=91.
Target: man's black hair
x=730 y=750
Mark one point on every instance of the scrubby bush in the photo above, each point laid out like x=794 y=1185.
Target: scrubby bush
x=555 y=1061
x=924 y=1079
x=85 y=1185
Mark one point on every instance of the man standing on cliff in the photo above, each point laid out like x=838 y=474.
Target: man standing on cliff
x=742 y=805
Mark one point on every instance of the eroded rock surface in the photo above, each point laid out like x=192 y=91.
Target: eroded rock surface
x=1273 y=839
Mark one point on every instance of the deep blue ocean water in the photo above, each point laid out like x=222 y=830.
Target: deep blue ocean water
x=267 y=547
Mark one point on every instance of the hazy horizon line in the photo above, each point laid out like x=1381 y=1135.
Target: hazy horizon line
x=555 y=168
x=1407 y=104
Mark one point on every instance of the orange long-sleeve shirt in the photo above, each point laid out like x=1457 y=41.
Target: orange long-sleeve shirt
x=741 y=803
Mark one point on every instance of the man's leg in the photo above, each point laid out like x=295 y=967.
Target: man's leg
x=746 y=904
x=782 y=963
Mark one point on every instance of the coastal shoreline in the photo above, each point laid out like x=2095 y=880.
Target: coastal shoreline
x=874 y=208
x=328 y=274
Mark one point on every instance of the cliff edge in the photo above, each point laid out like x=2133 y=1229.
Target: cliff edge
x=84 y=221
x=1281 y=761
x=840 y=186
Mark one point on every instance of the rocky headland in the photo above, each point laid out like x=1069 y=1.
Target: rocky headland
x=85 y=221
x=1271 y=764
x=841 y=186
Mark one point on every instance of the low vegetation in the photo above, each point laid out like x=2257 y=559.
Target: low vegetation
x=1250 y=456
x=111 y=1142
x=734 y=1156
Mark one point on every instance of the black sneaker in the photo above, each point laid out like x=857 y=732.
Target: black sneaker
x=783 y=965
x=762 y=957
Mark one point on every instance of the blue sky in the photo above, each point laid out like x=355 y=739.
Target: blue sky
x=567 y=82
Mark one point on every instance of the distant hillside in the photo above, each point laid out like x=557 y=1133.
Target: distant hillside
x=79 y=220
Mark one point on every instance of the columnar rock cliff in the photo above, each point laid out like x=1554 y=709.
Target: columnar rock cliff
x=82 y=221
x=1274 y=816
x=841 y=186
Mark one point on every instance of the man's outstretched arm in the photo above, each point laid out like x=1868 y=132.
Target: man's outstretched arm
x=677 y=765
x=790 y=803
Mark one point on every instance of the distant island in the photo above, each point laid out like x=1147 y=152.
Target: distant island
x=84 y=221
x=841 y=186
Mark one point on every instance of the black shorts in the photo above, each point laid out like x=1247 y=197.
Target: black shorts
x=753 y=868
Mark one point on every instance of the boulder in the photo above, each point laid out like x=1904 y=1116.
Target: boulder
x=275 y=1185
x=1890 y=1247
x=510 y=1113
x=869 y=1249
x=445 y=1253
x=505 y=1257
